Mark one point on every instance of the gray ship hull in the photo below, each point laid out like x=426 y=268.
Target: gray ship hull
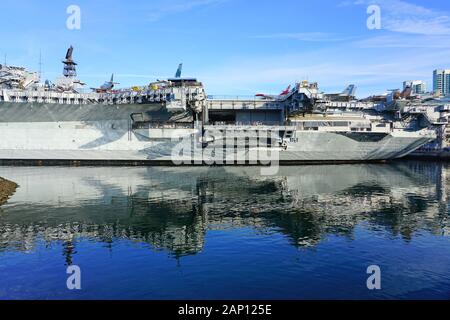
x=47 y=133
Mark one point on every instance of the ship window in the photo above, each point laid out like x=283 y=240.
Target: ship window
x=340 y=124
x=312 y=124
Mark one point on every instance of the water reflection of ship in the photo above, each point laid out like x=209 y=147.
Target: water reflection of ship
x=173 y=208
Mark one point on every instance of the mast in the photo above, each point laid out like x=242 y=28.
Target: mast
x=40 y=64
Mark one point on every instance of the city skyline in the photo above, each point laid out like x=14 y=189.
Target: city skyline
x=232 y=46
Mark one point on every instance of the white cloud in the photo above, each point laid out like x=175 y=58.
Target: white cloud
x=168 y=7
x=305 y=36
x=404 y=17
x=435 y=26
x=404 y=41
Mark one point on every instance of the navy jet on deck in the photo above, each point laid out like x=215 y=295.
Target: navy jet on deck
x=274 y=97
x=107 y=86
x=347 y=95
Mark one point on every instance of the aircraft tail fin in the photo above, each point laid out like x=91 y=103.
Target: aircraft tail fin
x=179 y=70
x=350 y=91
x=285 y=92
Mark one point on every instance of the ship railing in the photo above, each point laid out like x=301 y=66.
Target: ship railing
x=350 y=105
x=162 y=125
x=45 y=96
x=162 y=94
x=138 y=121
x=330 y=125
x=235 y=98
x=246 y=123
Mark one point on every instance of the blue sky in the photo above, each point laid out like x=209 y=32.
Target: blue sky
x=234 y=46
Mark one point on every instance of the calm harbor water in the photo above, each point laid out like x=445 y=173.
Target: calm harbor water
x=227 y=233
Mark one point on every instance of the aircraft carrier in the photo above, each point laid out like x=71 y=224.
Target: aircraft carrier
x=175 y=122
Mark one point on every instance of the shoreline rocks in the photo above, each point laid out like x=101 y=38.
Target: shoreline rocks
x=7 y=189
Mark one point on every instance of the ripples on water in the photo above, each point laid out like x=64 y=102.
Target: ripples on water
x=163 y=233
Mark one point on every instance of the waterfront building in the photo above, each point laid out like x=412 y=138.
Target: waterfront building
x=417 y=86
x=441 y=82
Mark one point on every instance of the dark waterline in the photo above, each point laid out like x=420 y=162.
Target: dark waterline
x=227 y=233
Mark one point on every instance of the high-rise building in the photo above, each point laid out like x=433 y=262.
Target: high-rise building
x=417 y=86
x=441 y=82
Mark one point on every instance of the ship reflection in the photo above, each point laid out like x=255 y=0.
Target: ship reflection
x=172 y=209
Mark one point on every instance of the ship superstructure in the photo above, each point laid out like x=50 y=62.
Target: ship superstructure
x=174 y=121
x=17 y=78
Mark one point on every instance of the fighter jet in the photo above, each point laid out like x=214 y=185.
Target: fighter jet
x=275 y=97
x=107 y=86
x=348 y=94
